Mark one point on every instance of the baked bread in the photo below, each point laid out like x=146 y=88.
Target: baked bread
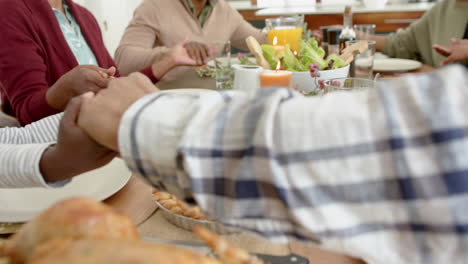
x=171 y=203
x=75 y=218
x=115 y=252
x=226 y=252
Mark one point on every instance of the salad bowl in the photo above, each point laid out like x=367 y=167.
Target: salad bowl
x=302 y=81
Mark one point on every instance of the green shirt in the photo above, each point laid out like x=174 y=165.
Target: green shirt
x=205 y=12
x=72 y=33
x=447 y=19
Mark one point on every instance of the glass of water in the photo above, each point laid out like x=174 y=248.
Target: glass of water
x=364 y=62
x=364 y=31
x=221 y=57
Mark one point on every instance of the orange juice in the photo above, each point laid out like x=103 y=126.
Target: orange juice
x=285 y=35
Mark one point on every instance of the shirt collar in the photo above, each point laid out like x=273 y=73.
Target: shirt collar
x=189 y=3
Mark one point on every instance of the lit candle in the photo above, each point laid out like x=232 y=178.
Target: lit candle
x=275 y=78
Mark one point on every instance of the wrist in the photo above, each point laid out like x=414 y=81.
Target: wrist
x=56 y=98
x=164 y=65
x=53 y=166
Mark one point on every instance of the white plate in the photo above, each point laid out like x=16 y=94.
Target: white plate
x=396 y=65
x=20 y=205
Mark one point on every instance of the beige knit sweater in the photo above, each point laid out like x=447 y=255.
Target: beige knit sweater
x=160 y=24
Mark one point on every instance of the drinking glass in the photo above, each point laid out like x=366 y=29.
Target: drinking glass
x=364 y=31
x=224 y=75
x=285 y=30
x=364 y=62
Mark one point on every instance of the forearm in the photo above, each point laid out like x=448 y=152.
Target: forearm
x=20 y=166
x=130 y=58
x=244 y=31
x=379 y=42
x=43 y=131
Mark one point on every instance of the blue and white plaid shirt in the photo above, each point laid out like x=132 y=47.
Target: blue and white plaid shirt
x=379 y=174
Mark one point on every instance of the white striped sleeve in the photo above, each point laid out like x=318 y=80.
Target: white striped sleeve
x=19 y=166
x=42 y=131
x=21 y=150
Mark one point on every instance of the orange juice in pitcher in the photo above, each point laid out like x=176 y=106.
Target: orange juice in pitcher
x=285 y=30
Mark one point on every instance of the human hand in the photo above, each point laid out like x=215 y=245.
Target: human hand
x=79 y=80
x=177 y=56
x=101 y=114
x=75 y=152
x=198 y=52
x=317 y=34
x=457 y=51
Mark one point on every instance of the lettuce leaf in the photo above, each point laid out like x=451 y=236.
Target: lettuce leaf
x=291 y=62
x=270 y=55
x=310 y=53
x=337 y=61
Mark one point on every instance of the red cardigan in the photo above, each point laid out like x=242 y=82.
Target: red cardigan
x=34 y=54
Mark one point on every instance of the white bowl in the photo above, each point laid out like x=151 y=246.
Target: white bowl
x=302 y=81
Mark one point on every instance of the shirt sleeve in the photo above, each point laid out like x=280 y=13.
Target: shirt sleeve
x=136 y=50
x=22 y=68
x=352 y=171
x=410 y=42
x=21 y=152
x=244 y=30
x=42 y=131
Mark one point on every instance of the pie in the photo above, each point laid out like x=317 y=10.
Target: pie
x=171 y=203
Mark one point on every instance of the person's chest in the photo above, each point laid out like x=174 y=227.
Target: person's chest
x=179 y=24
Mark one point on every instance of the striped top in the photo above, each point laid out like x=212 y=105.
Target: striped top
x=380 y=174
x=21 y=150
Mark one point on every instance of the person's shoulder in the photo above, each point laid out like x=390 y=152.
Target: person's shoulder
x=222 y=3
x=12 y=7
x=443 y=6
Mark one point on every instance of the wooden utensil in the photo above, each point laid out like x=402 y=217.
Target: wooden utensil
x=256 y=50
x=350 y=52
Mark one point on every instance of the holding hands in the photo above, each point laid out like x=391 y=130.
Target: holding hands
x=75 y=152
x=81 y=79
x=100 y=114
x=456 y=52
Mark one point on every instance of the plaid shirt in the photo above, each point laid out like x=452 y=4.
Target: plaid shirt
x=379 y=174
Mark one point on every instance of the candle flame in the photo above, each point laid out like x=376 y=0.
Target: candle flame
x=278 y=65
x=275 y=41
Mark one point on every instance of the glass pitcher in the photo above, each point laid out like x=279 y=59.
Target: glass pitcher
x=285 y=30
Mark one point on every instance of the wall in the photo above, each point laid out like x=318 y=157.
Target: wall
x=113 y=16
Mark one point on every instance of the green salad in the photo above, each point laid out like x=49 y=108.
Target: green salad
x=310 y=52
